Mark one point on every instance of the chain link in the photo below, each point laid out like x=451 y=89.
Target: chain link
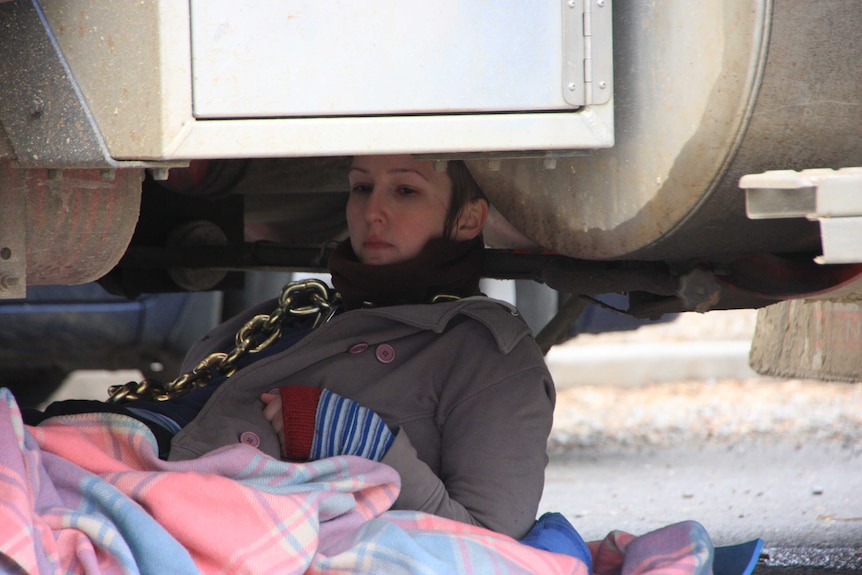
x=301 y=299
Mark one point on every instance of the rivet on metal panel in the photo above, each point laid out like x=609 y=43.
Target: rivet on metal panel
x=572 y=86
x=572 y=4
x=600 y=3
x=603 y=85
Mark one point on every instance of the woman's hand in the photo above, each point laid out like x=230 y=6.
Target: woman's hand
x=272 y=413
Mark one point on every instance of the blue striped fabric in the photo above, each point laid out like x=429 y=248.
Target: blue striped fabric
x=157 y=418
x=343 y=427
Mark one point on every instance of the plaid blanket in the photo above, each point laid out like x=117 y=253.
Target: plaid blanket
x=88 y=494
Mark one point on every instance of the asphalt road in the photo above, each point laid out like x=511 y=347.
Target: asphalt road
x=802 y=500
x=667 y=432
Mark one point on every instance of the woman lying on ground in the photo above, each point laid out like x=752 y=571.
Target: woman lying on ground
x=417 y=369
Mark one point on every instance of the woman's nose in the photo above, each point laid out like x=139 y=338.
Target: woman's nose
x=375 y=207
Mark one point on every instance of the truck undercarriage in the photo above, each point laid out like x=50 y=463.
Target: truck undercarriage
x=158 y=148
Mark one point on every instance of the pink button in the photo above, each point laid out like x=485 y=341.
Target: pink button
x=358 y=347
x=385 y=353
x=250 y=438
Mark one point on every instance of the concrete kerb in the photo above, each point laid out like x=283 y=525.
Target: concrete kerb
x=692 y=347
x=639 y=363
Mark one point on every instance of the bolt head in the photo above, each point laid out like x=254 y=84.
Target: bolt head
x=8 y=282
x=160 y=174
x=37 y=108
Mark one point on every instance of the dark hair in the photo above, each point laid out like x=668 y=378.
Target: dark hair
x=464 y=190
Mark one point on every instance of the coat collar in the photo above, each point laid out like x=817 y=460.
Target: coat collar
x=506 y=328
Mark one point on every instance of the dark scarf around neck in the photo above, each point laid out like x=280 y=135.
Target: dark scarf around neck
x=443 y=267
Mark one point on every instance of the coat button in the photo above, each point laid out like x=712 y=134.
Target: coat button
x=250 y=438
x=385 y=353
x=358 y=347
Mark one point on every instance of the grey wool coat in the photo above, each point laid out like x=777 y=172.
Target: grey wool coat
x=462 y=384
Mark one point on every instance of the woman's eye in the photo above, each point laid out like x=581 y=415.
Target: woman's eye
x=405 y=191
x=360 y=188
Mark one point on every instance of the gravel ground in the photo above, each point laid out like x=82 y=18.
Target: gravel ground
x=691 y=412
x=679 y=413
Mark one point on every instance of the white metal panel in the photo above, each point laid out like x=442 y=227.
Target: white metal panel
x=842 y=240
x=591 y=128
x=138 y=81
x=280 y=58
x=832 y=197
x=814 y=193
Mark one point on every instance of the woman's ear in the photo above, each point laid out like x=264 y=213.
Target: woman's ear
x=471 y=220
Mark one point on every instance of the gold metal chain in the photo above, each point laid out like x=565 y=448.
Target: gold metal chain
x=299 y=299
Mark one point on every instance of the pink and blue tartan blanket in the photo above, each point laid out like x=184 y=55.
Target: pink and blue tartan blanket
x=88 y=494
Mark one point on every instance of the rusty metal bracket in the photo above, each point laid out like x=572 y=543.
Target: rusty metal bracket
x=41 y=107
x=13 y=238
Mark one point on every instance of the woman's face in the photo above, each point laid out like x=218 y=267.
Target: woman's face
x=396 y=205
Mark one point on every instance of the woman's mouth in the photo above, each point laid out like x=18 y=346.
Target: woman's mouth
x=375 y=244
